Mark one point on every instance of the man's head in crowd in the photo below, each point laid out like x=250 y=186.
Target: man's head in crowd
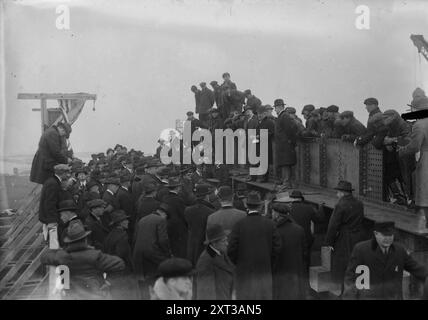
x=384 y=233
x=177 y=275
x=254 y=202
x=194 y=89
x=269 y=110
x=110 y=153
x=63 y=171
x=64 y=129
x=214 y=84
x=316 y=115
x=346 y=117
x=262 y=112
x=225 y=195
x=307 y=110
x=344 y=188
x=371 y=104
x=97 y=206
x=216 y=237
x=214 y=113
x=203 y=85
x=119 y=219
x=279 y=106
x=190 y=116
x=279 y=209
x=226 y=76
x=67 y=210
x=82 y=174
x=249 y=112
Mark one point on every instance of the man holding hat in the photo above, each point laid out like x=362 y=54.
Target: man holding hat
x=97 y=222
x=384 y=261
x=175 y=281
x=285 y=143
x=50 y=197
x=254 y=245
x=196 y=217
x=50 y=153
x=345 y=229
x=214 y=270
x=85 y=263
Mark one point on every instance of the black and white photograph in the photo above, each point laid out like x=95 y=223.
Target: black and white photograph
x=229 y=151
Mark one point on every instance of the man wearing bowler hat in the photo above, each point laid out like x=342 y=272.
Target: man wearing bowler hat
x=254 y=245
x=85 y=263
x=196 y=217
x=214 y=270
x=344 y=230
x=383 y=262
x=175 y=281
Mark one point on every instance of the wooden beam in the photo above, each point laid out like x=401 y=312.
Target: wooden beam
x=54 y=96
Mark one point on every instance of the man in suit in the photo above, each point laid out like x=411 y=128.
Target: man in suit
x=110 y=195
x=97 y=223
x=50 y=197
x=375 y=269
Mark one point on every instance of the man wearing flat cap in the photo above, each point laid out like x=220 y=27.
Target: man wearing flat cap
x=50 y=197
x=384 y=262
x=196 y=217
x=254 y=245
x=50 y=153
x=175 y=281
x=350 y=128
x=372 y=107
x=214 y=270
x=330 y=115
x=313 y=122
x=344 y=230
x=126 y=201
x=251 y=100
x=206 y=102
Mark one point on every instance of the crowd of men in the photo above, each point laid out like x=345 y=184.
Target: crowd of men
x=170 y=232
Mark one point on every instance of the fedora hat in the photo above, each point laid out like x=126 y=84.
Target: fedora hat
x=344 y=186
x=202 y=189
x=75 y=232
x=175 y=267
x=214 y=232
x=118 y=216
x=253 y=199
x=67 y=205
x=384 y=227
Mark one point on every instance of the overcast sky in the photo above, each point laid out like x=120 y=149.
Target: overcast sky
x=141 y=57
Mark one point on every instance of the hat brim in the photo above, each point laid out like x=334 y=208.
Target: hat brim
x=68 y=240
x=67 y=209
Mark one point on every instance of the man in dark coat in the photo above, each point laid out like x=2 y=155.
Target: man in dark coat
x=233 y=100
x=344 y=230
x=50 y=198
x=289 y=280
x=67 y=213
x=197 y=94
x=254 y=245
x=124 y=197
x=177 y=226
x=385 y=261
x=252 y=101
x=372 y=107
x=352 y=128
x=285 y=143
x=152 y=247
x=218 y=97
x=49 y=153
x=268 y=124
x=117 y=244
x=97 y=223
x=214 y=270
x=147 y=203
x=85 y=263
x=206 y=102
x=196 y=218
x=110 y=195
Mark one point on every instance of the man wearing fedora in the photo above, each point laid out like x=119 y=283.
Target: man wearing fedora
x=97 y=222
x=175 y=281
x=344 y=230
x=214 y=270
x=384 y=261
x=289 y=279
x=227 y=216
x=85 y=263
x=418 y=146
x=285 y=143
x=50 y=198
x=254 y=245
x=124 y=285
x=67 y=213
x=177 y=226
x=196 y=217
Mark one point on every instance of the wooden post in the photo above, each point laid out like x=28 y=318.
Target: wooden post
x=53 y=244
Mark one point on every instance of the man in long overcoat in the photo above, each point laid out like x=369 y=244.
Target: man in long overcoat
x=206 y=102
x=268 y=124
x=49 y=153
x=196 y=218
x=254 y=245
x=285 y=143
x=344 y=230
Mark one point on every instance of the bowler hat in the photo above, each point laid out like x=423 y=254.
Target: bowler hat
x=67 y=205
x=202 y=189
x=59 y=168
x=175 y=267
x=370 y=101
x=278 y=102
x=118 y=216
x=75 y=232
x=384 y=227
x=253 y=199
x=96 y=203
x=344 y=186
x=308 y=107
x=214 y=232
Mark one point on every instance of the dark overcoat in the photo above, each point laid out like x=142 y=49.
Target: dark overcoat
x=145 y=206
x=152 y=245
x=344 y=230
x=177 y=226
x=269 y=125
x=214 y=276
x=385 y=271
x=49 y=199
x=254 y=245
x=99 y=230
x=206 y=100
x=285 y=140
x=289 y=269
x=49 y=154
x=196 y=218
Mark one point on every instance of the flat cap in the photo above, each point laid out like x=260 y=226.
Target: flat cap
x=346 y=114
x=62 y=168
x=96 y=203
x=369 y=101
x=332 y=108
x=308 y=107
x=175 y=267
x=290 y=110
x=281 y=208
x=384 y=227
